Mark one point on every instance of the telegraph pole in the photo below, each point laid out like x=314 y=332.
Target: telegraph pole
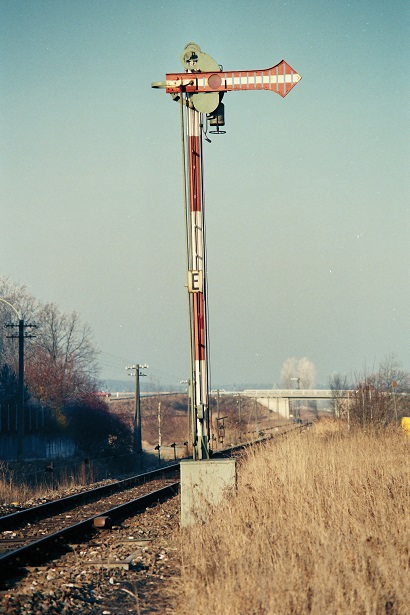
x=137 y=441
x=21 y=336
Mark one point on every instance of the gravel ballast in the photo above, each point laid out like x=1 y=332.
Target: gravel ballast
x=93 y=577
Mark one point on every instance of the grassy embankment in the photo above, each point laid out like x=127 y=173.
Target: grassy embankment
x=320 y=525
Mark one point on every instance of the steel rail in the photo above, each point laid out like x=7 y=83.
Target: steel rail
x=227 y=452
x=40 y=549
x=16 y=519
x=37 y=548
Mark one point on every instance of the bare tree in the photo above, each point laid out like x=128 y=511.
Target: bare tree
x=337 y=384
x=306 y=373
x=288 y=371
x=21 y=299
x=380 y=398
x=392 y=376
x=61 y=360
x=302 y=369
x=63 y=336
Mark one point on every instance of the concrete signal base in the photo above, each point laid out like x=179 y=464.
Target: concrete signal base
x=203 y=485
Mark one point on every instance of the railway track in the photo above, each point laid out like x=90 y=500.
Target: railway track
x=33 y=535
x=263 y=436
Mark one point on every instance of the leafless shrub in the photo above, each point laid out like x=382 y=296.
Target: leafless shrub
x=374 y=400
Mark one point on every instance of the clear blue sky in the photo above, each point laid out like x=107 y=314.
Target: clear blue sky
x=307 y=197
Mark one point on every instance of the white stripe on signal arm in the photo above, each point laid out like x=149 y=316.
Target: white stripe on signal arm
x=268 y=79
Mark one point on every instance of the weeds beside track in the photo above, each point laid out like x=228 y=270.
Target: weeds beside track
x=319 y=525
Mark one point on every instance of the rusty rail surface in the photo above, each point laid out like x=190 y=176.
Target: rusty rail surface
x=34 y=549
x=41 y=549
x=54 y=507
x=264 y=437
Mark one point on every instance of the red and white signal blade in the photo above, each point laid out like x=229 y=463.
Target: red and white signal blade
x=280 y=79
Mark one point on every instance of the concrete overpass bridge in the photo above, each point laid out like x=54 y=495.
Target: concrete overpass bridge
x=278 y=400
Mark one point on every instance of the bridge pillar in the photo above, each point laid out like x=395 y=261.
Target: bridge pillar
x=283 y=407
x=280 y=405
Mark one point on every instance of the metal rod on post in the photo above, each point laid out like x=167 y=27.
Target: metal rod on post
x=158 y=447
x=189 y=425
x=217 y=420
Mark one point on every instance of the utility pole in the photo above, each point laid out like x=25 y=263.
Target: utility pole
x=199 y=91
x=297 y=379
x=21 y=336
x=158 y=447
x=137 y=441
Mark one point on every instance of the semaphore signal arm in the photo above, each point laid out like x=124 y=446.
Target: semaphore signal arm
x=280 y=78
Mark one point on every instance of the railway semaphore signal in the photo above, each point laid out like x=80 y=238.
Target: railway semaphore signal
x=200 y=90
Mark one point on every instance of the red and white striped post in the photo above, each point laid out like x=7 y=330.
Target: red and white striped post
x=197 y=287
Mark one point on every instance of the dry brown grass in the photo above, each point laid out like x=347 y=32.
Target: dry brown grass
x=30 y=483
x=320 y=525
x=10 y=491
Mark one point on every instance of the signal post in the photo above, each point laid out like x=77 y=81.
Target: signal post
x=199 y=90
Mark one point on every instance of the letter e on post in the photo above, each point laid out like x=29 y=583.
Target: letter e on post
x=195 y=282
